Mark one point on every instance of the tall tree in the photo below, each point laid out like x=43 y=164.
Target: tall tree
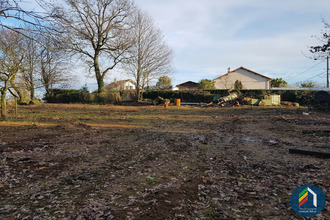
x=206 y=84
x=52 y=65
x=323 y=51
x=278 y=82
x=164 y=82
x=307 y=84
x=25 y=21
x=11 y=61
x=94 y=29
x=31 y=64
x=150 y=57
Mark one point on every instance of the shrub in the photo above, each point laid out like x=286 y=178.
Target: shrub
x=289 y=96
x=206 y=84
x=185 y=96
x=79 y=96
x=238 y=85
x=304 y=97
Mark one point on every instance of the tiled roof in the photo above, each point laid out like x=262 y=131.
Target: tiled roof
x=246 y=70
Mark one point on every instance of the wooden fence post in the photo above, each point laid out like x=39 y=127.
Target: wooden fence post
x=15 y=106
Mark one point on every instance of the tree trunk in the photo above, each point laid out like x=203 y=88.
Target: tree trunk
x=138 y=90
x=100 y=84
x=3 y=104
x=143 y=85
x=141 y=95
x=47 y=91
x=31 y=85
x=138 y=74
x=99 y=77
x=18 y=91
x=4 y=100
x=32 y=92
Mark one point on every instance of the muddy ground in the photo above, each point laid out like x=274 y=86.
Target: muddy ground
x=122 y=162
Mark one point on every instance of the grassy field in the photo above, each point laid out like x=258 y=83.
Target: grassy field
x=148 y=162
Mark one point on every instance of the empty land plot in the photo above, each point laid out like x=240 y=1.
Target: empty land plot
x=123 y=162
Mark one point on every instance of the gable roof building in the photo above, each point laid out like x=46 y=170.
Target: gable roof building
x=121 y=85
x=248 y=78
x=188 y=86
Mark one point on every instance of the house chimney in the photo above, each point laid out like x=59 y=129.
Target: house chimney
x=228 y=69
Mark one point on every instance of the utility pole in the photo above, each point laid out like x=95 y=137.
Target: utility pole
x=327 y=71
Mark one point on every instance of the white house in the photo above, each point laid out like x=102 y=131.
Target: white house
x=121 y=85
x=248 y=78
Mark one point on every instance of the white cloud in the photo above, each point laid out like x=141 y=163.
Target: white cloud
x=209 y=36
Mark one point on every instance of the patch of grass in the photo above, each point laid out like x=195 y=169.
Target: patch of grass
x=152 y=180
x=202 y=149
x=213 y=211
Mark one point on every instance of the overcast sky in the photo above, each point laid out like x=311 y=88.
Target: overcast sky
x=266 y=36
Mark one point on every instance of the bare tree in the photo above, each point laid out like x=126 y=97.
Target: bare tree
x=11 y=61
x=28 y=21
x=41 y=58
x=29 y=74
x=95 y=30
x=323 y=51
x=17 y=85
x=52 y=65
x=150 y=57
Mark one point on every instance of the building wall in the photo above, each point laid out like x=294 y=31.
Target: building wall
x=187 y=88
x=248 y=79
x=129 y=86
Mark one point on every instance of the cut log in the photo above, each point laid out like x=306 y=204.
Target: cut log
x=311 y=153
x=317 y=132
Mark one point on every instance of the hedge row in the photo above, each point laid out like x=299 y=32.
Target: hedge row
x=185 y=96
x=303 y=97
x=79 y=96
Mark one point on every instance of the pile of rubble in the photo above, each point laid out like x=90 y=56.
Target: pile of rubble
x=161 y=101
x=233 y=99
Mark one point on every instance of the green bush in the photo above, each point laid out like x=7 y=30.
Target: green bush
x=185 y=96
x=289 y=96
x=303 y=97
x=79 y=96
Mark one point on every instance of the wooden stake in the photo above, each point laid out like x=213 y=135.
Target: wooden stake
x=15 y=106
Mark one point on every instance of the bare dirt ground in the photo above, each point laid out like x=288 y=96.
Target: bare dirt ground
x=121 y=162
